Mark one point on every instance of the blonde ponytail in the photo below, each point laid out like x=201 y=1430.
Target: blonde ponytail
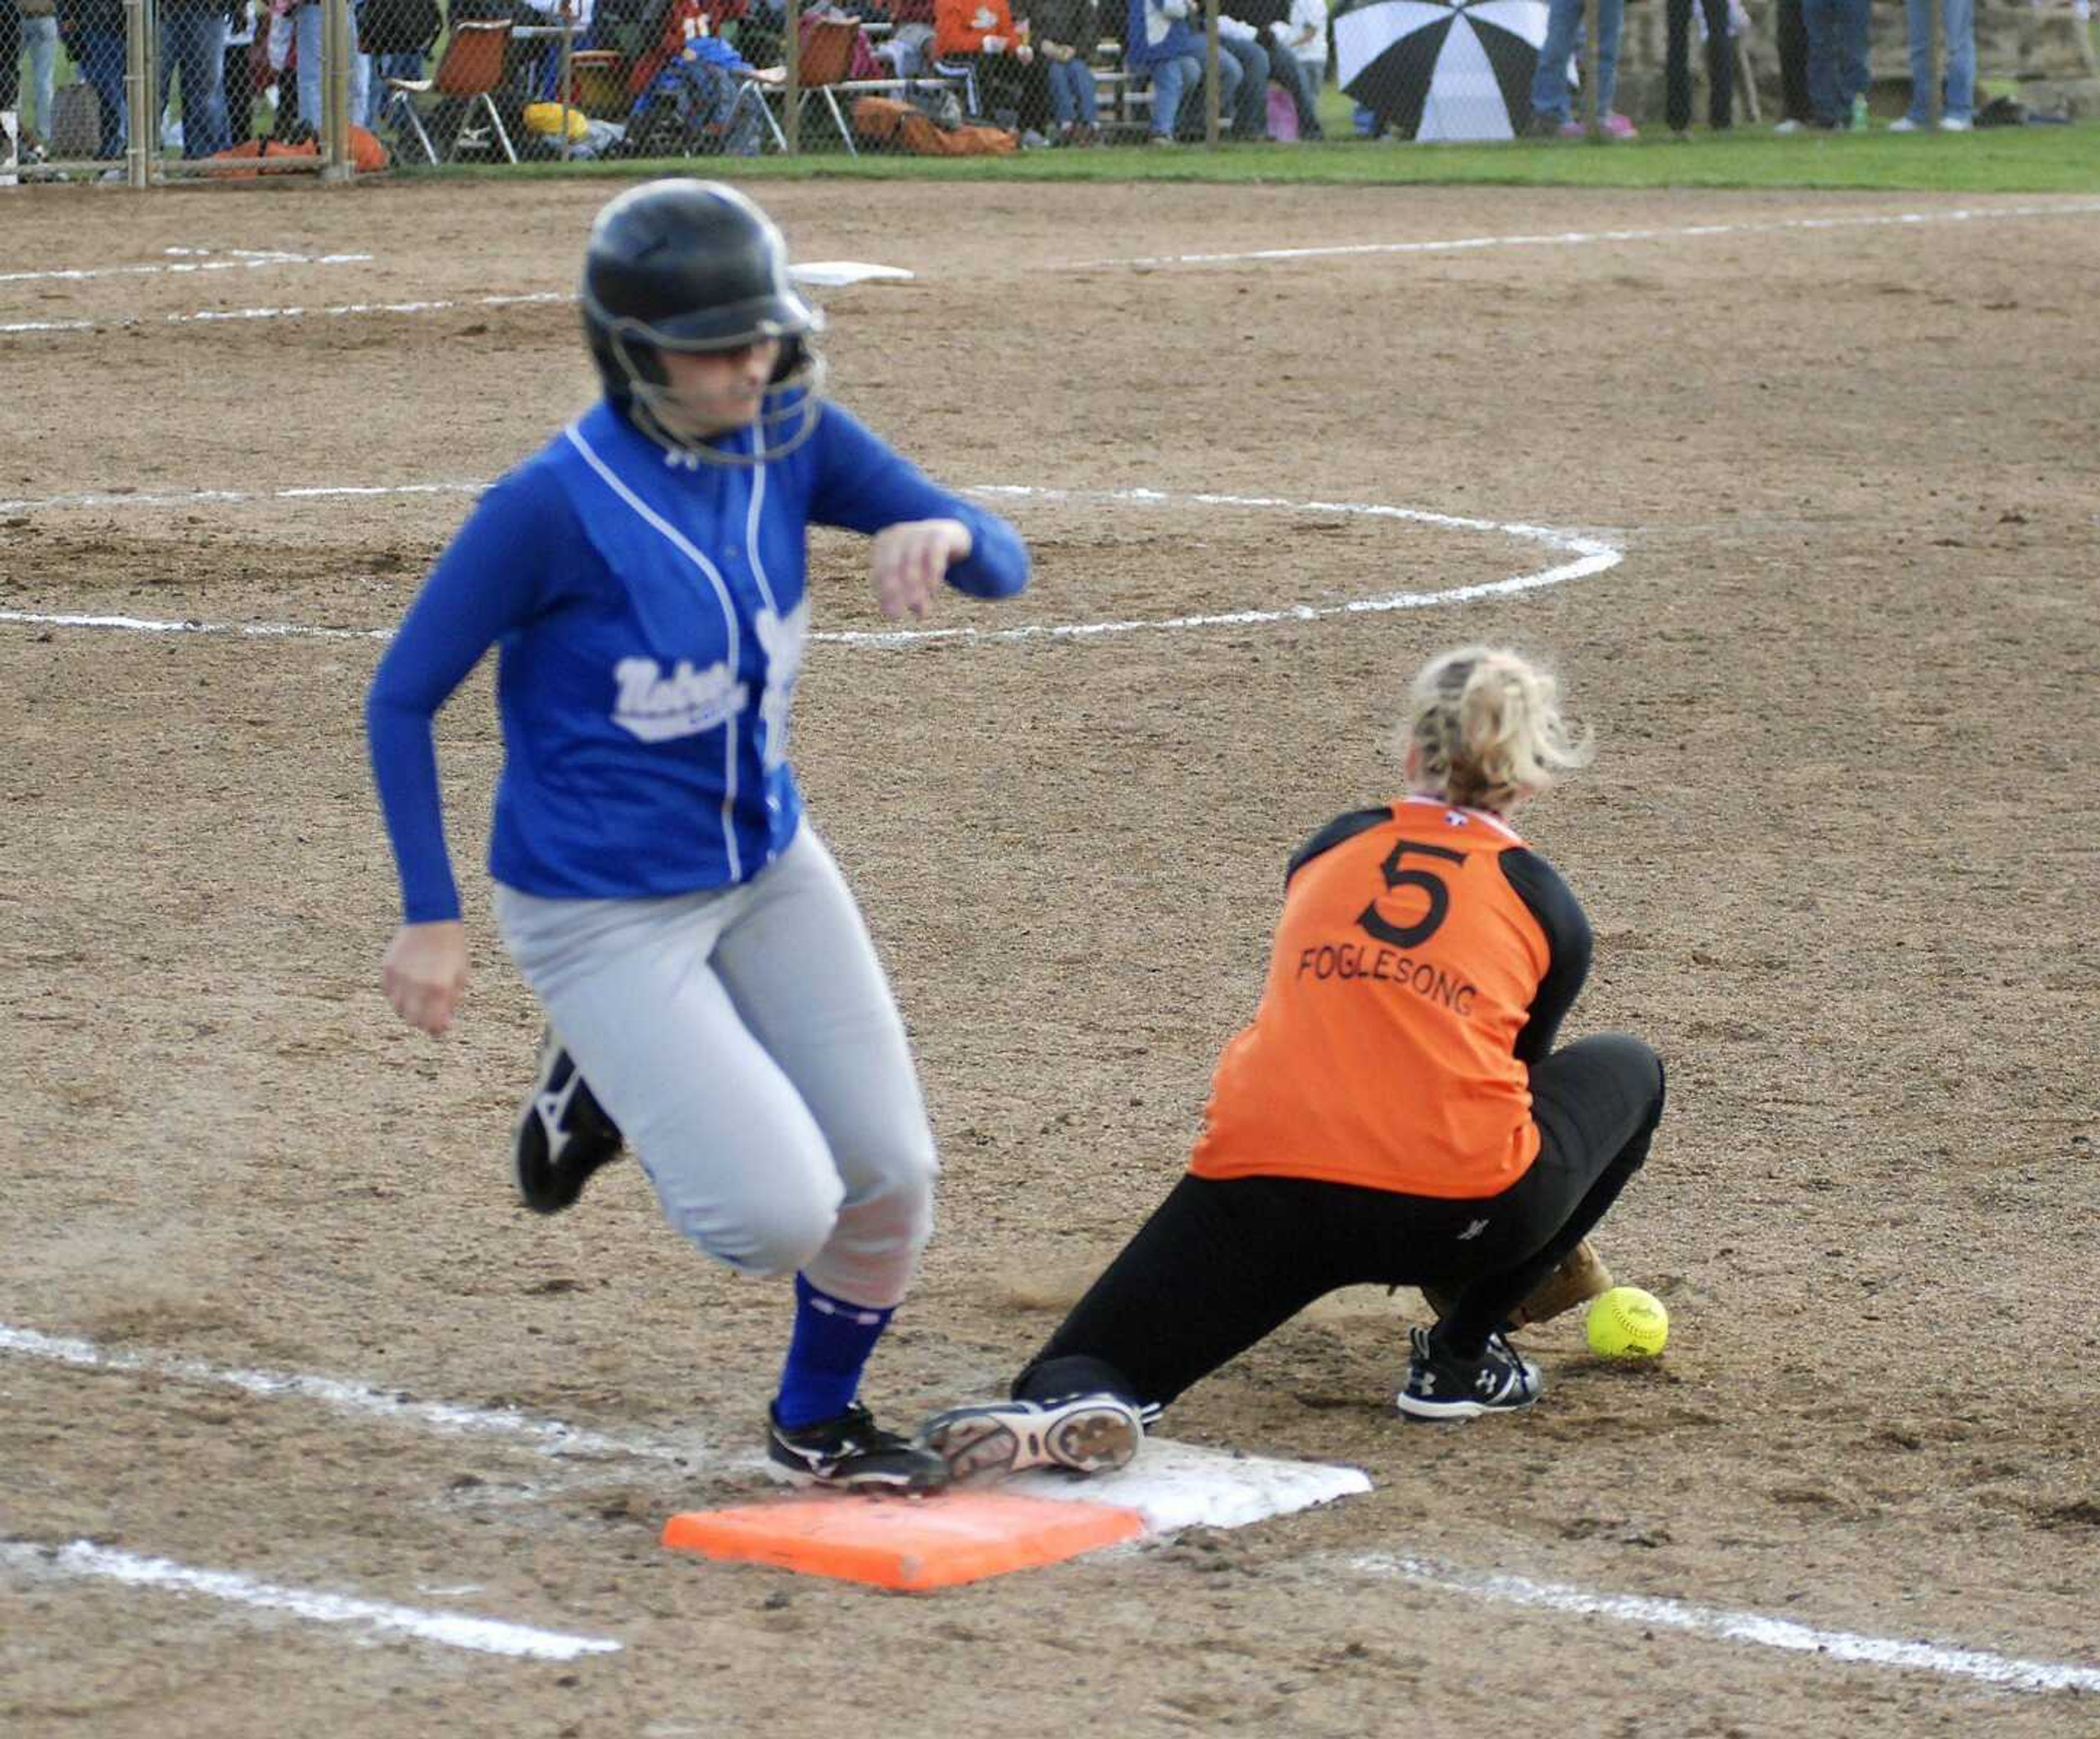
x=1487 y=729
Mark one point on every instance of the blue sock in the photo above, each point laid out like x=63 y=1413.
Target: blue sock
x=829 y=1350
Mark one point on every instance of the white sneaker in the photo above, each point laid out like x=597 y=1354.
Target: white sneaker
x=1954 y=124
x=1904 y=124
x=1790 y=127
x=1085 y=1434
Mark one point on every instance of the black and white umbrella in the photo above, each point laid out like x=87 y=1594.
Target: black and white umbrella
x=1436 y=69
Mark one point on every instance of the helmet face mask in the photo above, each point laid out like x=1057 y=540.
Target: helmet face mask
x=694 y=267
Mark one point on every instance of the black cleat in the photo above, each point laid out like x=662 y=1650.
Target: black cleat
x=1082 y=1434
x=564 y=1133
x=852 y=1452
x=1441 y=1387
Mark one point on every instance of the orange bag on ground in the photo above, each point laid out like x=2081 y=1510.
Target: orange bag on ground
x=882 y=120
x=367 y=155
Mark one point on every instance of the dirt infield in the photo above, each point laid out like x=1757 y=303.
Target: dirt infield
x=1838 y=847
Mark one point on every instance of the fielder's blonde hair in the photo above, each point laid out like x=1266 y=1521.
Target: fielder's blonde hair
x=1487 y=729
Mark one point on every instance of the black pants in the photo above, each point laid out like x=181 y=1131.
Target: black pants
x=1677 y=65
x=1792 y=63
x=1223 y=1263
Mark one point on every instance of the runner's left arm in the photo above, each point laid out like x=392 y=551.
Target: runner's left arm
x=863 y=484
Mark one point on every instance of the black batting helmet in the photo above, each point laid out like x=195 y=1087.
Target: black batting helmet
x=689 y=265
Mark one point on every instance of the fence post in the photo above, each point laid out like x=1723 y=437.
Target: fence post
x=1591 y=120
x=336 y=39
x=141 y=92
x=1210 y=76
x=791 y=102
x=568 y=72
x=1938 y=62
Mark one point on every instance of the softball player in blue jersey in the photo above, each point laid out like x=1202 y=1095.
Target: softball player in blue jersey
x=689 y=936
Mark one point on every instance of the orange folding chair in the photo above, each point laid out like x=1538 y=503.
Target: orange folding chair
x=470 y=67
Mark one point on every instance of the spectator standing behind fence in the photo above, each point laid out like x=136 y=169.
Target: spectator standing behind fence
x=306 y=25
x=1793 y=42
x=1302 y=39
x=1837 y=75
x=40 y=39
x=237 y=75
x=1551 y=111
x=193 y=42
x=92 y=33
x=1159 y=44
x=1719 y=17
x=1064 y=33
x=1958 y=27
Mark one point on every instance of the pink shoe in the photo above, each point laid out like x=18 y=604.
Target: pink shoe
x=1616 y=126
x=1571 y=130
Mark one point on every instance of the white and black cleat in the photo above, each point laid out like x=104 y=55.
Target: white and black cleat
x=852 y=1452
x=564 y=1133
x=1083 y=1434
x=1442 y=1387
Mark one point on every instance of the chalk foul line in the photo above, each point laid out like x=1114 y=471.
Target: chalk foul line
x=83 y=1558
x=1723 y=1624
x=551 y=1437
x=1591 y=555
x=196 y=259
x=1576 y=238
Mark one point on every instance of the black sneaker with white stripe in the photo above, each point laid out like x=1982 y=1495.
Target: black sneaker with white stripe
x=1082 y=1434
x=1441 y=1386
x=852 y=1452
x=564 y=1133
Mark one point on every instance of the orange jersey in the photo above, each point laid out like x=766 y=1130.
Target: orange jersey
x=1384 y=1052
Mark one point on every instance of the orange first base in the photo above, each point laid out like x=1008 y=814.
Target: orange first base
x=904 y=1543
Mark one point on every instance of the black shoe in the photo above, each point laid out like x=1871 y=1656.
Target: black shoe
x=852 y=1452
x=1439 y=1386
x=563 y=1134
x=1082 y=1434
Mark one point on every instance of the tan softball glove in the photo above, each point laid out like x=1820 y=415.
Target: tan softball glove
x=1577 y=1281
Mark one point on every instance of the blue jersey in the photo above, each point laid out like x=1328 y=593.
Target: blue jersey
x=651 y=615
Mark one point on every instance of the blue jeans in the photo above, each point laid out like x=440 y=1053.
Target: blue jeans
x=100 y=55
x=193 y=40
x=1072 y=93
x=1171 y=80
x=1243 y=101
x=1958 y=26
x=39 y=37
x=1564 y=37
x=307 y=36
x=1836 y=57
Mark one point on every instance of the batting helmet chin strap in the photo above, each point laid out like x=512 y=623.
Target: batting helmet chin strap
x=787 y=415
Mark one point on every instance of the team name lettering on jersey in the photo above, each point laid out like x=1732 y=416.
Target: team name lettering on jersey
x=783 y=639
x=657 y=708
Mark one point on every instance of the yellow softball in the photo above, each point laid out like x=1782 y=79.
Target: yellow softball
x=1627 y=1322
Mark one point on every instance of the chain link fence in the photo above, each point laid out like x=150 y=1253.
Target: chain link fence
x=145 y=90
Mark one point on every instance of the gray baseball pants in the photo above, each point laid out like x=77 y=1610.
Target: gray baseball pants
x=746 y=1042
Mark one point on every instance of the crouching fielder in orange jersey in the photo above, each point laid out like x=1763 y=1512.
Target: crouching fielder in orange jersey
x=1396 y=1114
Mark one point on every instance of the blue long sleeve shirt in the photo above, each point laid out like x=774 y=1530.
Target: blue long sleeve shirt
x=649 y=618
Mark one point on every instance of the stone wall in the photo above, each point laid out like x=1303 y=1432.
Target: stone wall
x=2048 y=49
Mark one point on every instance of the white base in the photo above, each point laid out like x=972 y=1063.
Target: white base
x=834 y=273
x=1179 y=1486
